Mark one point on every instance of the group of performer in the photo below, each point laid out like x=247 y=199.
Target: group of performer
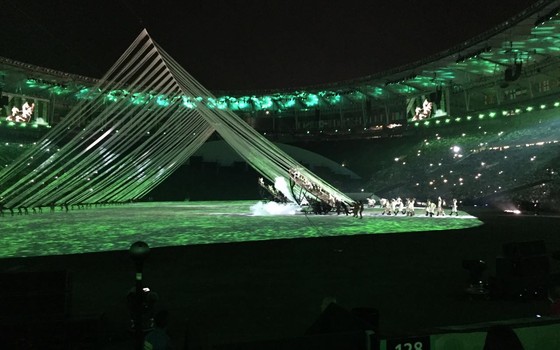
x=356 y=208
x=52 y=207
x=321 y=202
x=22 y=115
x=423 y=112
x=396 y=206
x=437 y=209
x=312 y=188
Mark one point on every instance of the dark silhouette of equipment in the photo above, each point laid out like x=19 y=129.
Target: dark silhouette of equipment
x=36 y=312
x=139 y=252
x=335 y=328
x=35 y=294
x=477 y=285
x=4 y=101
x=523 y=271
x=336 y=318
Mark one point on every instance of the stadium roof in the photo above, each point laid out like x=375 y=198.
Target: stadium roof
x=525 y=45
x=531 y=38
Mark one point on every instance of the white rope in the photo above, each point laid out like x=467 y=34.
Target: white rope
x=120 y=150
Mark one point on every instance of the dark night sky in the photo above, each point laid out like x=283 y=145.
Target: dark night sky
x=251 y=44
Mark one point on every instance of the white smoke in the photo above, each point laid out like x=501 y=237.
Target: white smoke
x=273 y=208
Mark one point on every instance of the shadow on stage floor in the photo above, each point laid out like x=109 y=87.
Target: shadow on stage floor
x=235 y=292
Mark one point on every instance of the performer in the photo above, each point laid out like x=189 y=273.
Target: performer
x=382 y=203
x=361 y=208
x=26 y=112
x=345 y=208
x=433 y=208
x=423 y=112
x=410 y=206
x=400 y=205
x=386 y=205
x=439 y=209
x=394 y=206
x=427 y=109
x=430 y=208
x=454 y=207
x=15 y=114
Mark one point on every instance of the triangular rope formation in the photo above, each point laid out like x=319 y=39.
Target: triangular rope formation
x=143 y=120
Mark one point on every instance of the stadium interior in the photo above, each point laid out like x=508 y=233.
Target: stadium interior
x=477 y=123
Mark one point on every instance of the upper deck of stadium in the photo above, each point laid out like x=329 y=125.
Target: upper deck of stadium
x=507 y=68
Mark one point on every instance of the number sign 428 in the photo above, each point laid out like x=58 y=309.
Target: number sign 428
x=416 y=343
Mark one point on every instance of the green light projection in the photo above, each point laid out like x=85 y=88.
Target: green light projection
x=403 y=89
x=222 y=103
x=85 y=93
x=255 y=101
x=243 y=104
x=289 y=103
x=311 y=100
x=188 y=102
x=139 y=98
x=357 y=95
x=375 y=91
x=163 y=101
x=187 y=223
x=52 y=86
x=425 y=82
x=266 y=102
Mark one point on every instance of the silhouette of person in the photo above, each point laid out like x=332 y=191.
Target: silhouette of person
x=356 y=209
x=502 y=337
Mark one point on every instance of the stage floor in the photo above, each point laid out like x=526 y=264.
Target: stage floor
x=227 y=276
x=165 y=224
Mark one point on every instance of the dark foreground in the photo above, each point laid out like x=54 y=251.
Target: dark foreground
x=238 y=292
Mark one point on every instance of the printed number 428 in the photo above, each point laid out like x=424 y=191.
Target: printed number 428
x=409 y=346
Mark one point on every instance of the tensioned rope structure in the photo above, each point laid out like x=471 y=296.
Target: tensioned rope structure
x=118 y=149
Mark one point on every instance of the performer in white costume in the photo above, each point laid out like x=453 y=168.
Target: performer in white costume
x=410 y=206
x=454 y=207
x=439 y=209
